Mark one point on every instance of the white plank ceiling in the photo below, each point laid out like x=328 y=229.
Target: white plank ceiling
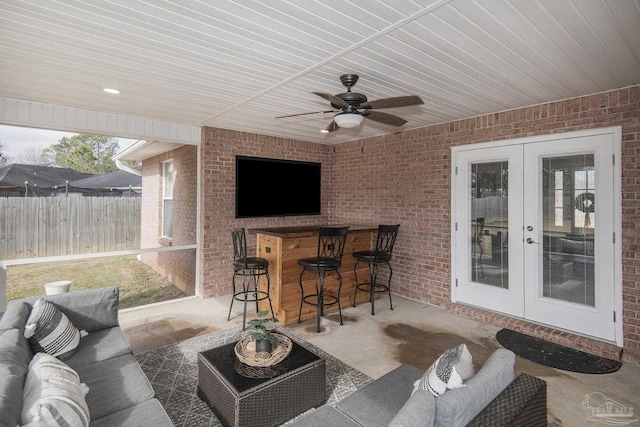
x=239 y=64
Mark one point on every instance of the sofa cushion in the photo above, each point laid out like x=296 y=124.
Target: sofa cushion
x=324 y=416
x=99 y=345
x=418 y=411
x=378 y=402
x=115 y=384
x=15 y=317
x=448 y=372
x=149 y=413
x=53 y=395
x=87 y=309
x=458 y=407
x=49 y=330
x=14 y=363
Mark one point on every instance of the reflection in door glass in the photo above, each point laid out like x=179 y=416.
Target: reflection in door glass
x=568 y=204
x=488 y=229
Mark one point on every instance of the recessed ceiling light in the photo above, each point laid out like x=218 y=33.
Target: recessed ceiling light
x=113 y=91
x=324 y=131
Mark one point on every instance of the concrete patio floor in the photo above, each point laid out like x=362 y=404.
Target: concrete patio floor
x=413 y=333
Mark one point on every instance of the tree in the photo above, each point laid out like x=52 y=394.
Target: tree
x=84 y=153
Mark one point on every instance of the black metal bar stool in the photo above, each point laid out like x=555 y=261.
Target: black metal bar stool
x=331 y=243
x=380 y=255
x=249 y=269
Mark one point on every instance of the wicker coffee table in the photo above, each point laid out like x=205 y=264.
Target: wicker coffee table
x=243 y=396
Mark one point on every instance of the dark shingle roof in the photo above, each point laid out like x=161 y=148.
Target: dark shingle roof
x=15 y=175
x=117 y=179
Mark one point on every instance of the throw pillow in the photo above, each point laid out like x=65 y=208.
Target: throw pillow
x=53 y=394
x=49 y=330
x=449 y=371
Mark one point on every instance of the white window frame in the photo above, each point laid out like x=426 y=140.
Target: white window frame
x=168 y=179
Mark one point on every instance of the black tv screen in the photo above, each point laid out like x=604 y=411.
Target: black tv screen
x=274 y=187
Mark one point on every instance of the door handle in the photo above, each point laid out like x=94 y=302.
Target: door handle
x=530 y=241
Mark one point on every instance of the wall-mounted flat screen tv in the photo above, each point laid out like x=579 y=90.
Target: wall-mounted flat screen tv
x=275 y=187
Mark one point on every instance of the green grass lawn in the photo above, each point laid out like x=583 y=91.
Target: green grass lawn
x=138 y=283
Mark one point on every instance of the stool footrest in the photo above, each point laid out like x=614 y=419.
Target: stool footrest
x=246 y=296
x=332 y=299
x=378 y=287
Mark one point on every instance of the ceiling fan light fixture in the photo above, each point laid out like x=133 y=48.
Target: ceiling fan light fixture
x=348 y=120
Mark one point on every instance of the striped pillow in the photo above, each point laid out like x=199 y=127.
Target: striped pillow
x=53 y=395
x=49 y=330
x=451 y=369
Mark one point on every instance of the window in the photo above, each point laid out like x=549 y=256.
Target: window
x=168 y=177
x=584 y=193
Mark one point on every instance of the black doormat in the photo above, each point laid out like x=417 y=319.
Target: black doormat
x=555 y=355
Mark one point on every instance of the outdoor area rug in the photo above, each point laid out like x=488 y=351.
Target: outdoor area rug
x=555 y=355
x=173 y=373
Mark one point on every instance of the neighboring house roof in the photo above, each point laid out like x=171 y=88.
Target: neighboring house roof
x=120 y=180
x=39 y=177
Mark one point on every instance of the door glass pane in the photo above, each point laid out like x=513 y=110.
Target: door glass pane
x=489 y=251
x=568 y=225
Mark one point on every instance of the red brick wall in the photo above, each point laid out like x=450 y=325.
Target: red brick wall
x=405 y=178
x=178 y=267
x=218 y=150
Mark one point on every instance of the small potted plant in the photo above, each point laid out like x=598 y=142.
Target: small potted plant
x=261 y=335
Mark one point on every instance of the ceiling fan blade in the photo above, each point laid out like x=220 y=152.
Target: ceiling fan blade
x=333 y=99
x=304 y=114
x=332 y=126
x=387 y=119
x=398 y=101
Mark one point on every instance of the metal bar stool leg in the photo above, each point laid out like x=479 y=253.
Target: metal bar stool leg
x=233 y=295
x=339 y=288
x=373 y=275
x=245 y=290
x=320 y=298
x=389 y=285
x=355 y=273
x=301 y=296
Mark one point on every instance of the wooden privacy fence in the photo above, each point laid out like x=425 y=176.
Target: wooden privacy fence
x=52 y=226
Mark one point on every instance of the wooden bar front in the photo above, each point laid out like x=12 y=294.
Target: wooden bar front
x=284 y=246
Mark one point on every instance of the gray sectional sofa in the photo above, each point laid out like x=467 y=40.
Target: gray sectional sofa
x=492 y=397
x=119 y=392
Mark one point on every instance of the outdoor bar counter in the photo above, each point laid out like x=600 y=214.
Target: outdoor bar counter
x=284 y=246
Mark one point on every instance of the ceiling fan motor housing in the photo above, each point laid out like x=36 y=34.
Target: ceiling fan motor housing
x=352 y=98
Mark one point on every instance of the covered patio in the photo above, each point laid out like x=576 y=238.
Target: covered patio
x=413 y=333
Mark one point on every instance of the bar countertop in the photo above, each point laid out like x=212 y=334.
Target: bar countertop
x=284 y=232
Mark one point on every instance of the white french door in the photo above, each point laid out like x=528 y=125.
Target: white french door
x=529 y=239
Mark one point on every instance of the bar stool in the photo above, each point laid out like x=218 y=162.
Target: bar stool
x=249 y=269
x=331 y=243
x=380 y=255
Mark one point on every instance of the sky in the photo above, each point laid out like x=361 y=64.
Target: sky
x=24 y=145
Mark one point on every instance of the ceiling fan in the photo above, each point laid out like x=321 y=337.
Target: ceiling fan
x=353 y=107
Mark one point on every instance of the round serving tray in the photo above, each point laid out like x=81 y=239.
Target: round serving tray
x=246 y=353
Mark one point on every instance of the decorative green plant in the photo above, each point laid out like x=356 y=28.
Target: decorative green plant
x=259 y=330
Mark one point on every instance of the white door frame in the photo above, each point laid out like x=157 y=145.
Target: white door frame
x=616 y=133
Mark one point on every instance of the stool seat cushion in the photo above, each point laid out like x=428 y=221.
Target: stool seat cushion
x=372 y=256
x=322 y=263
x=251 y=262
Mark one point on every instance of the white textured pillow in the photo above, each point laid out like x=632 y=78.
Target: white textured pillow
x=451 y=369
x=49 y=330
x=53 y=394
